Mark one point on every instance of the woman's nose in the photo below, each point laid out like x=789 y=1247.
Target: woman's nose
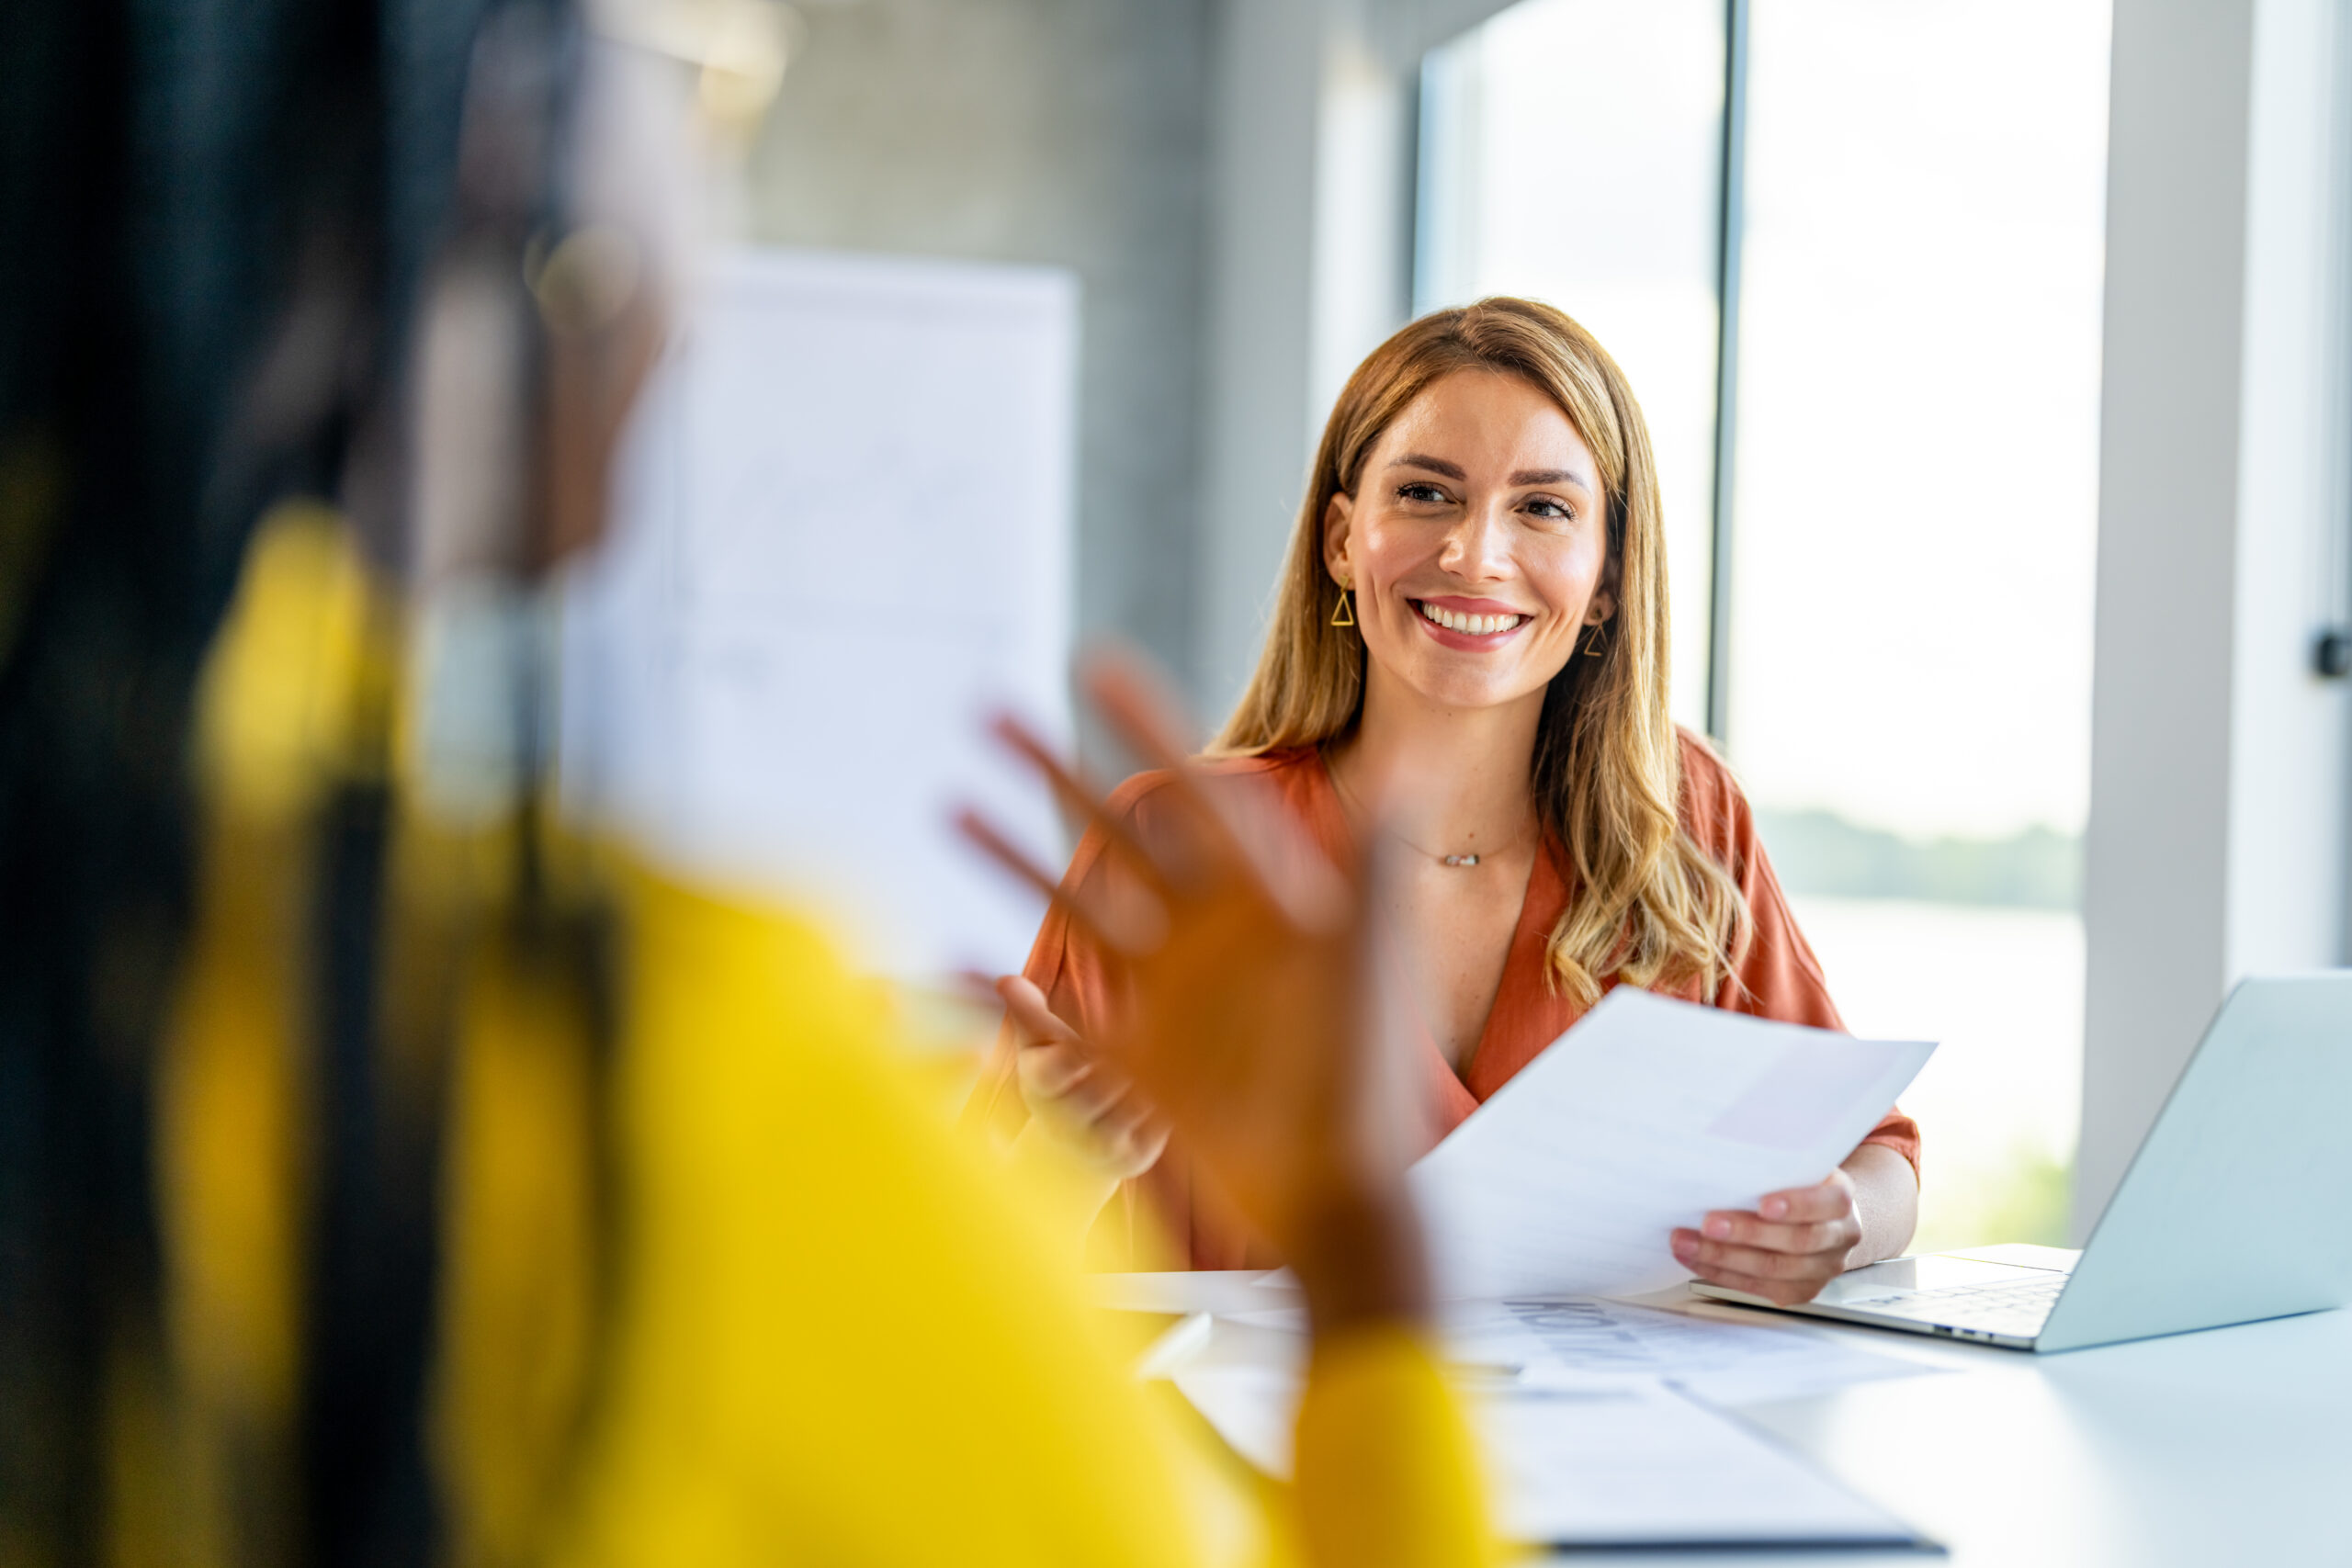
x=1475 y=546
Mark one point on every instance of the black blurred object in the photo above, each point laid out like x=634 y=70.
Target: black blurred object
x=2332 y=653
x=214 y=221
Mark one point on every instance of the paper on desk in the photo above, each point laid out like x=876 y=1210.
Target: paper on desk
x=1638 y=1466
x=1228 y=1292
x=1571 y=1341
x=1624 y=1462
x=1642 y=1118
x=1723 y=1363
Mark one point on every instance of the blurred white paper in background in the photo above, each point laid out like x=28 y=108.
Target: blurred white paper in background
x=843 y=524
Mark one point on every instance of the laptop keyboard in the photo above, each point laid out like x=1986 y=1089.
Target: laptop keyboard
x=2001 y=1308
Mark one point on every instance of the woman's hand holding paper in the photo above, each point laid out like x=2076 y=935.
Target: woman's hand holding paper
x=1791 y=1245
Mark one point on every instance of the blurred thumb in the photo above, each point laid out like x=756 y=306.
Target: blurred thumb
x=1037 y=1023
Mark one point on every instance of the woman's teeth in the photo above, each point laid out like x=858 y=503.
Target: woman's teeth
x=1474 y=626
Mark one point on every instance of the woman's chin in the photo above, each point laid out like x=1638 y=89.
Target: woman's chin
x=1467 y=690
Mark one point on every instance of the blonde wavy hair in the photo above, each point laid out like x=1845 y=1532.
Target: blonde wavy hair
x=1651 y=907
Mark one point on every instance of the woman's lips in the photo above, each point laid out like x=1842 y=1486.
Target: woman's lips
x=1476 y=624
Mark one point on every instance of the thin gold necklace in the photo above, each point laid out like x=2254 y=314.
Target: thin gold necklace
x=1464 y=861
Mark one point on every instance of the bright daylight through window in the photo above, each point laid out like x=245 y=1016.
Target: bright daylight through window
x=1915 y=473
x=1513 y=201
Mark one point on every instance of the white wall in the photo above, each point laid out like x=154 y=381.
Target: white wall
x=1037 y=132
x=2216 y=845
x=1265 y=121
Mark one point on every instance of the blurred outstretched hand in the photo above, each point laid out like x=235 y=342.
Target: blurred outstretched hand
x=1250 y=1022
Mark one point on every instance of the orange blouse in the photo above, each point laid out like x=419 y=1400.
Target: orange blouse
x=1778 y=978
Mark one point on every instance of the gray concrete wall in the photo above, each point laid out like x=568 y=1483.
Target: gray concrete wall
x=1069 y=132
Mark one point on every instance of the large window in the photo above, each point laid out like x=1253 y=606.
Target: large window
x=1906 y=687
x=1570 y=152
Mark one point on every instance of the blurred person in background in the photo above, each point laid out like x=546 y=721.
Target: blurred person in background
x=1475 y=589
x=389 y=1174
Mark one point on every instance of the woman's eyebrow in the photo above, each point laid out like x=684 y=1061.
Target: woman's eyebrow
x=1552 y=476
x=1434 y=464
x=1524 y=476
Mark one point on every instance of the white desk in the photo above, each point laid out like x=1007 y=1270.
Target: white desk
x=2225 y=1448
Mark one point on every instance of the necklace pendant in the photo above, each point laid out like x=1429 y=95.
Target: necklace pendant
x=1462 y=860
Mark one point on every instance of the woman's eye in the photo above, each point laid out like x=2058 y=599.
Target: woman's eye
x=1421 y=494
x=1551 y=511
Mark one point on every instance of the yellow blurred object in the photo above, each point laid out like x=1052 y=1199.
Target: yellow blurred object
x=232 y=1082
x=279 y=717
x=843 y=1336
x=298 y=699
x=281 y=704
x=719 y=1283
x=518 y=1281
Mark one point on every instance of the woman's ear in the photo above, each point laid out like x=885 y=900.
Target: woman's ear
x=1337 y=513
x=1603 y=603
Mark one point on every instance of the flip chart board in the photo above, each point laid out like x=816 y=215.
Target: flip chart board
x=843 y=535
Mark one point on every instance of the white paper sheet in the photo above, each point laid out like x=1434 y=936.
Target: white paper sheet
x=1723 y=1363
x=1638 y=1465
x=1642 y=1118
x=1625 y=1462
x=1228 y=1293
x=1566 y=1342
x=844 y=536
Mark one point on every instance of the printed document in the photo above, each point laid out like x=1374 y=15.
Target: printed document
x=1643 y=1118
x=1579 y=1337
x=1573 y=1341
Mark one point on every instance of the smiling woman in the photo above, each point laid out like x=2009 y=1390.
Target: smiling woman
x=1472 y=631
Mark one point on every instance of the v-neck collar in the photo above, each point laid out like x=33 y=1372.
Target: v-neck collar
x=1521 y=1000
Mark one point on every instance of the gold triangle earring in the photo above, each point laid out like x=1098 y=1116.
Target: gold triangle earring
x=1343 y=613
x=1598 y=642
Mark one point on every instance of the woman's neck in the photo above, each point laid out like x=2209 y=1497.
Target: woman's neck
x=1452 y=781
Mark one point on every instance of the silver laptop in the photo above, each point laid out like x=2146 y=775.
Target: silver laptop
x=2232 y=1210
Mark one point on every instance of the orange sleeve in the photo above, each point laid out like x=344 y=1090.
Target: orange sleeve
x=1777 y=975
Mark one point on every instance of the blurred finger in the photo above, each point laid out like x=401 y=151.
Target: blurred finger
x=1058 y=1073
x=978 y=985
x=1136 y=1146
x=1081 y=798
x=1227 y=836
x=983 y=835
x=1138 y=707
x=1132 y=930
x=1121 y=1112
x=1032 y=1014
